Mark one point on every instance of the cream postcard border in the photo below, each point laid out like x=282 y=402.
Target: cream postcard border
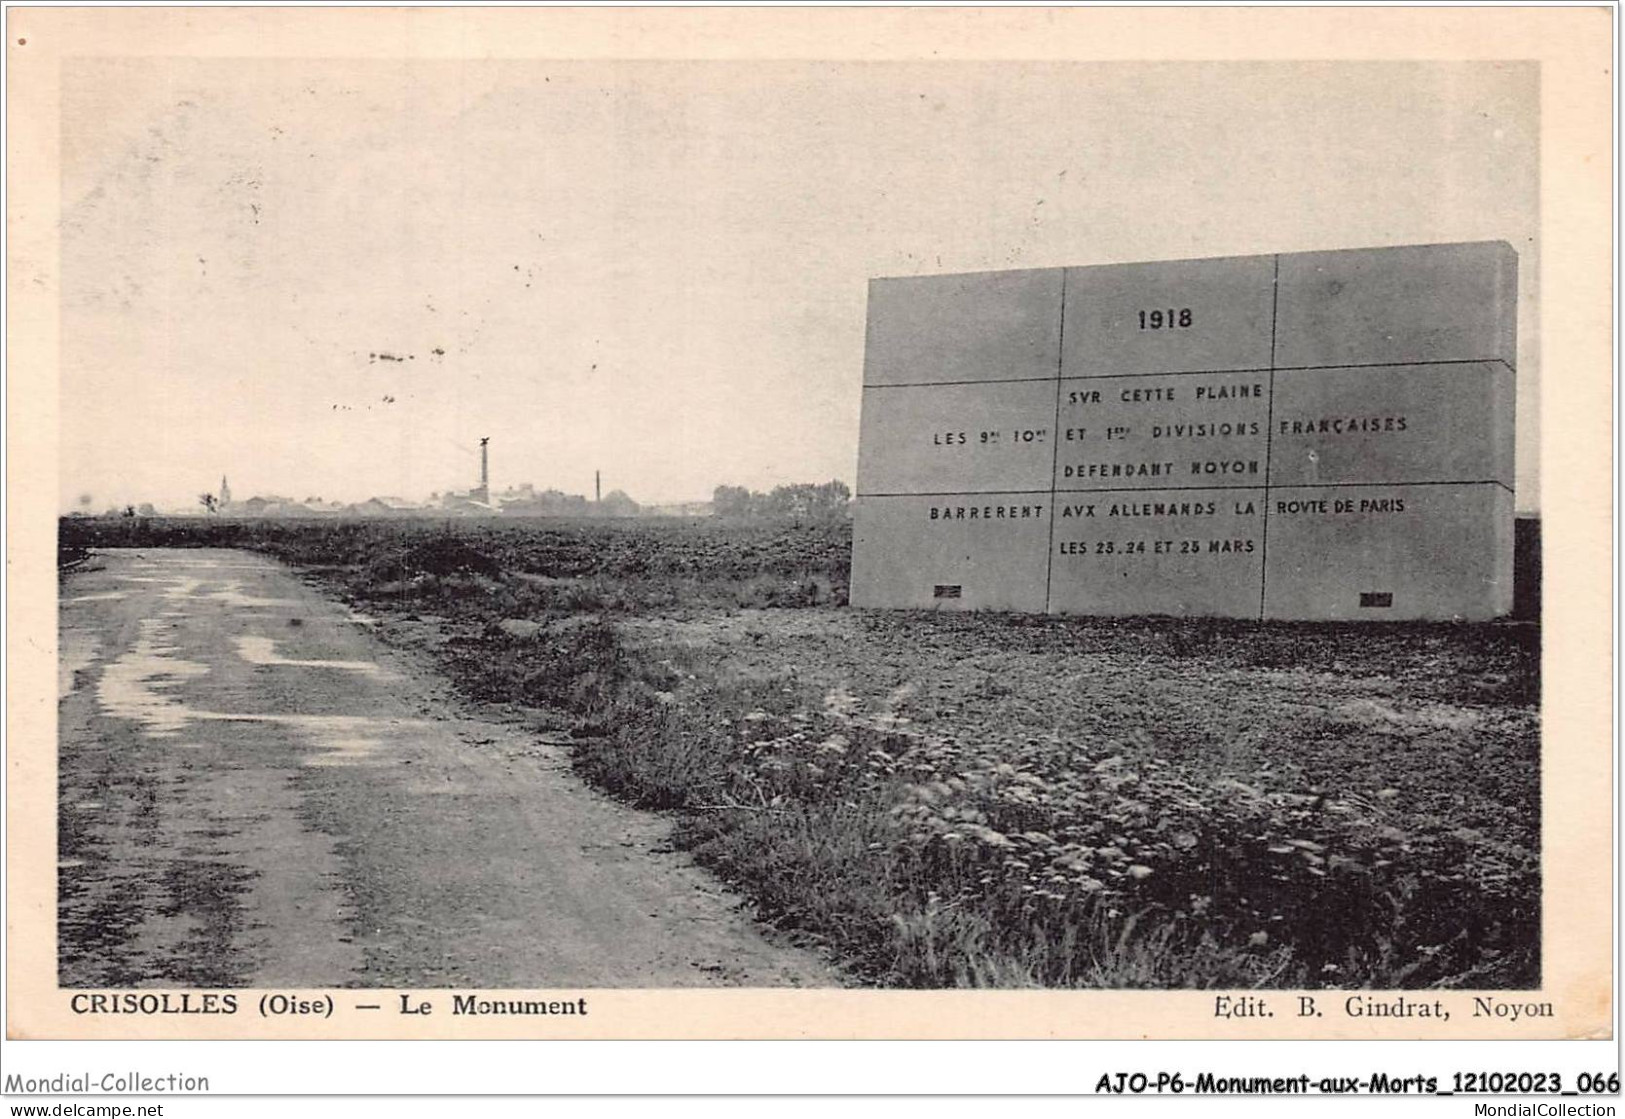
x=1573 y=46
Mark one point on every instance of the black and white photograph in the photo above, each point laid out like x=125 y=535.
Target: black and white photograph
x=534 y=527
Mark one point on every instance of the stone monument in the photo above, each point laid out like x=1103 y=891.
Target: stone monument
x=1322 y=435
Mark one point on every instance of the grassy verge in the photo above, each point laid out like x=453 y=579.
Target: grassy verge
x=928 y=854
x=941 y=859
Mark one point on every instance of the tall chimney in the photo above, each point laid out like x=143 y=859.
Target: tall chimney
x=598 y=486
x=485 y=468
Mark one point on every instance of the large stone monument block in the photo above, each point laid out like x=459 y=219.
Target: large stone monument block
x=1401 y=423
x=1170 y=317
x=983 y=326
x=1151 y=431
x=958 y=438
x=1390 y=553
x=1319 y=435
x=970 y=552
x=1182 y=552
x=1406 y=305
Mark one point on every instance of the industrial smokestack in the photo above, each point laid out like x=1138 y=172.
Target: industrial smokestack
x=598 y=485
x=485 y=467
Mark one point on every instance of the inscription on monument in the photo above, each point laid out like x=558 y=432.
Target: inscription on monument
x=958 y=438
x=1154 y=431
x=1315 y=435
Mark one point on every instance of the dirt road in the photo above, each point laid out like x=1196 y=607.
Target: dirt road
x=254 y=791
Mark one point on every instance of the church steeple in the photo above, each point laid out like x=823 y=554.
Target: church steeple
x=225 y=491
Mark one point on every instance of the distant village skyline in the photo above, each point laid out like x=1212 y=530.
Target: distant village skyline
x=514 y=499
x=523 y=499
x=256 y=497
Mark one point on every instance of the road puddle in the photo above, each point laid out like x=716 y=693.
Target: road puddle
x=140 y=685
x=76 y=651
x=130 y=686
x=179 y=560
x=262 y=650
x=232 y=594
x=352 y=750
x=129 y=689
x=344 y=739
x=184 y=587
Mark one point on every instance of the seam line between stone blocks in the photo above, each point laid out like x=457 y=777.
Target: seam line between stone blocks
x=1058 y=493
x=1055 y=446
x=1202 y=372
x=1269 y=432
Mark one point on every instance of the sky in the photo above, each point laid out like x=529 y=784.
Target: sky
x=658 y=270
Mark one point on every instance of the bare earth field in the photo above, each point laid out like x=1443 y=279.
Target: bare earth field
x=944 y=800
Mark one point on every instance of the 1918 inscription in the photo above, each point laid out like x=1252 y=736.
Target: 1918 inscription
x=1159 y=320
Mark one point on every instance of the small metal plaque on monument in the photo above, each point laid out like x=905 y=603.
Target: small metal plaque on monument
x=1297 y=436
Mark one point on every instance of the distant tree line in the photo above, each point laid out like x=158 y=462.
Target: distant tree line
x=801 y=502
x=557 y=503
